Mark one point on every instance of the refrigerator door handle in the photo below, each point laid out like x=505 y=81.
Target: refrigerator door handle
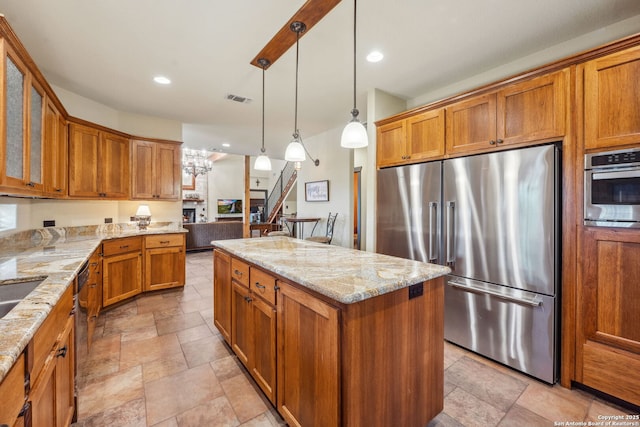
x=450 y=261
x=433 y=230
x=534 y=301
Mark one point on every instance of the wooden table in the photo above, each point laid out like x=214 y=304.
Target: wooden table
x=299 y=223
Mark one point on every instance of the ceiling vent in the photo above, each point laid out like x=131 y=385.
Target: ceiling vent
x=237 y=98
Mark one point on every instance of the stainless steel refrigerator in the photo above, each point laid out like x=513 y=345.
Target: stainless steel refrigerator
x=494 y=219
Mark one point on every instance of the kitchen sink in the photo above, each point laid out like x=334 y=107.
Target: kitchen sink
x=13 y=292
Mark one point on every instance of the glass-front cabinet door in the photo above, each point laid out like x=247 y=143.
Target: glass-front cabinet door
x=22 y=133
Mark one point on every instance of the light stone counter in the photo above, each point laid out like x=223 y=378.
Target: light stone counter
x=55 y=254
x=344 y=275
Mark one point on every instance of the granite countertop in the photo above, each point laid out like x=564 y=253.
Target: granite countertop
x=344 y=275
x=55 y=254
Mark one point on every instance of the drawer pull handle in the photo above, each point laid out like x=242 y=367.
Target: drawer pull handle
x=93 y=286
x=62 y=352
x=276 y=288
x=124 y=247
x=259 y=286
x=164 y=242
x=237 y=273
x=248 y=299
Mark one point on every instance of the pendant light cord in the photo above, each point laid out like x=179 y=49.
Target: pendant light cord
x=262 y=150
x=295 y=124
x=355 y=8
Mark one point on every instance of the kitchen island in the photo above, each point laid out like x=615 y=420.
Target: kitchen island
x=334 y=336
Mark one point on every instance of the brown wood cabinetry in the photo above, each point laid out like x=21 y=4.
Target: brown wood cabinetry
x=611 y=100
x=55 y=152
x=524 y=112
x=155 y=170
x=608 y=319
x=52 y=375
x=90 y=296
x=164 y=261
x=222 y=293
x=122 y=269
x=13 y=393
x=98 y=163
x=412 y=140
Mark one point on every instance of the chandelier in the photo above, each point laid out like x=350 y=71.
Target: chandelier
x=195 y=162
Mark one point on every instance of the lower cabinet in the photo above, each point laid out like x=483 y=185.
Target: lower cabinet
x=122 y=269
x=222 y=293
x=608 y=319
x=51 y=397
x=13 y=395
x=164 y=261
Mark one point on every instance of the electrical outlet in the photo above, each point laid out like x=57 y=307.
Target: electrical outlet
x=108 y=220
x=416 y=290
x=49 y=223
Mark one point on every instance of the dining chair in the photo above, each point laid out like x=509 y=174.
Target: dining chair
x=331 y=220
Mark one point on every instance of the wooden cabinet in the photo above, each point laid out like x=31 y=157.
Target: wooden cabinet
x=608 y=319
x=253 y=328
x=98 y=163
x=12 y=390
x=412 y=140
x=612 y=100
x=222 y=293
x=90 y=296
x=52 y=394
x=55 y=152
x=533 y=110
x=22 y=131
x=122 y=269
x=155 y=170
x=164 y=261
x=308 y=359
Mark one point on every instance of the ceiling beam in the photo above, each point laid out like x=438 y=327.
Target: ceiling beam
x=310 y=13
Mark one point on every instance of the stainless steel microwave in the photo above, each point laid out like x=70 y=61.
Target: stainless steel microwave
x=612 y=188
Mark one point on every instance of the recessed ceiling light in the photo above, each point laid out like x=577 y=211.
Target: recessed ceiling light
x=226 y=144
x=162 y=80
x=375 y=56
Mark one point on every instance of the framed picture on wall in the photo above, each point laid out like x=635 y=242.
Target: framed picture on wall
x=316 y=191
x=188 y=181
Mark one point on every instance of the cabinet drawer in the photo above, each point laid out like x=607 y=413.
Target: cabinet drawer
x=263 y=284
x=122 y=246
x=240 y=272
x=164 y=240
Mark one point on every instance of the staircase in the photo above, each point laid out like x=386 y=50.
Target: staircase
x=280 y=190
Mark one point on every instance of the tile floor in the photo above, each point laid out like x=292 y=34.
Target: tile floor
x=158 y=361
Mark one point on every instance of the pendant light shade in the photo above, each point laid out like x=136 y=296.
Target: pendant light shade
x=354 y=134
x=295 y=150
x=263 y=163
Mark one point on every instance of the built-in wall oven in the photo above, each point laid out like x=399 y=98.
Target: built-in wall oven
x=612 y=189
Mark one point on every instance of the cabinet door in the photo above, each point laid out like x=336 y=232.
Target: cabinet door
x=113 y=171
x=168 y=174
x=12 y=391
x=391 y=144
x=55 y=152
x=241 y=325
x=142 y=170
x=222 y=293
x=608 y=316
x=425 y=133
x=533 y=110
x=611 y=101
x=43 y=396
x=164 y=268
x=64 y=376
x=471 y=125
x=308 y=363
x=83 y=161
x=35 y=120
x=263 y=364
x=122 y=277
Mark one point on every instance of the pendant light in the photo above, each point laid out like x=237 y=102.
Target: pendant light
x=354 y=134
x=263 y=163
x=296 y=150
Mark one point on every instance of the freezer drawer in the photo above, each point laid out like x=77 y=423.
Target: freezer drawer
x=513 y=327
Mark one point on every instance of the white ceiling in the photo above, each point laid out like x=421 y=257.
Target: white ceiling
x=109 y=51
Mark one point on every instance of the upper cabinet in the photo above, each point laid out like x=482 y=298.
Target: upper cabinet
x=55 y=152
x=612 y=100
x=22 y=130
x=412 y=140
x=98 y=163
x=533 y=110
x=155 y=170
